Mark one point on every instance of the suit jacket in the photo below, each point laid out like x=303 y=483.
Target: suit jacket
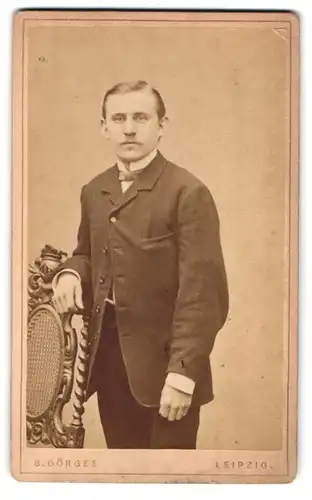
x=159 y=244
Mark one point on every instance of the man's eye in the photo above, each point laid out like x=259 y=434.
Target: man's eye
x=118 y=119
x=140 y=118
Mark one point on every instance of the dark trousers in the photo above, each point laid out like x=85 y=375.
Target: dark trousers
x=125 y=422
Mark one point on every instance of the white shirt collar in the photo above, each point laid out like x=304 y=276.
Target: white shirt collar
x=137 y=165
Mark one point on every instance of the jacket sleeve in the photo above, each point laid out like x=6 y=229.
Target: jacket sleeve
x=202 y=301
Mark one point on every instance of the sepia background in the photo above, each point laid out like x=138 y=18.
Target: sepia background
x=226 y=92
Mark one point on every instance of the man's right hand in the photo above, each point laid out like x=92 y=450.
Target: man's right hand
x=67 y=296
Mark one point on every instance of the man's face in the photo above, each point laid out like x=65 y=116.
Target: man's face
x=132 y=124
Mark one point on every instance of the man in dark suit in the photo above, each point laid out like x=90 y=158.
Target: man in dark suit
x=149 y=265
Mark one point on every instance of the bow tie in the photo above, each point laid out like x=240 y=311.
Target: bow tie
x=128 y=176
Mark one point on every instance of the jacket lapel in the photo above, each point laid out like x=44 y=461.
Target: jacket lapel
x=150 y=174
x=145 y=181
x=110 y=184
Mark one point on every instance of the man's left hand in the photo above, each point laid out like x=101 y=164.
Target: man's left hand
x=174 y=404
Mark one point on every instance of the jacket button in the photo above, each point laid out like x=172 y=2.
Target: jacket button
x=97 y=309
x=102 y=279
x=113 y=219
x=104 y=250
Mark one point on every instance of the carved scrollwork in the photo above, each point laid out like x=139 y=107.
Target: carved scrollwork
x=37 y=432
x=52 y=352
x=40 y=292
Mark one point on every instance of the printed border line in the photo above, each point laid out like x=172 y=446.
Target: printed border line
x=289 y=241
x=289 y=236
x=22 y=245
x=155 y=20
x=153 y=474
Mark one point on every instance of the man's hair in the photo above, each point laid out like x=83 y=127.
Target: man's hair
x=125 y=87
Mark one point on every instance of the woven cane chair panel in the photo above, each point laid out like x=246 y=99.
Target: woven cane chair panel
x=45 y=358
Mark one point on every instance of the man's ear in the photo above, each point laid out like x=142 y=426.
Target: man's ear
x=104 y=130
x=162 y=125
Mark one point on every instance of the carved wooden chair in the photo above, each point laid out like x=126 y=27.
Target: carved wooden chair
x=52 y=355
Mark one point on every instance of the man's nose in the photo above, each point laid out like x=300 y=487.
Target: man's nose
x=129 y=126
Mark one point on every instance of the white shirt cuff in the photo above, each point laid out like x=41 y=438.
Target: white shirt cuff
x=180 y=382
x=67 y=271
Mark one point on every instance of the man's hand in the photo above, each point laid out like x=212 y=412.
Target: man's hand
x=67 y=295
x=174 y=404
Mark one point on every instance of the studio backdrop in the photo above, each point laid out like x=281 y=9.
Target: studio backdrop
x=226 y=90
